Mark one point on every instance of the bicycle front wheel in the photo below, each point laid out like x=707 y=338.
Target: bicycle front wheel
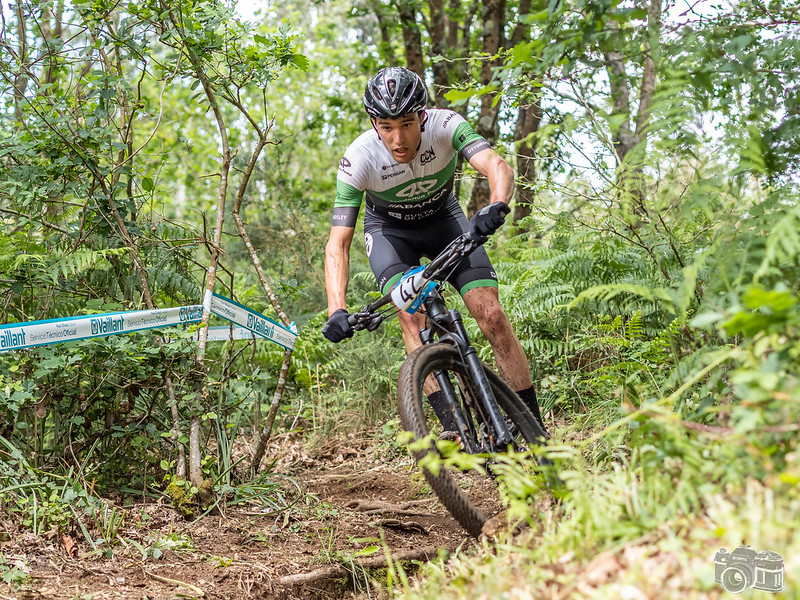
x=460 y=494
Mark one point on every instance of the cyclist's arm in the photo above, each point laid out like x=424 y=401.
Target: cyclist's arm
x=491 y=165
x=337 y=267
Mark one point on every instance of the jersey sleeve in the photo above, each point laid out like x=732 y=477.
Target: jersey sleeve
x=468 y=142
x=349 y=195
x=463 y=137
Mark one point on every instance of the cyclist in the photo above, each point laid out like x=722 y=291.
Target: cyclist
x=406 y=165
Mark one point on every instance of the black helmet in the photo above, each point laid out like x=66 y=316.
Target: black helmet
x=394 y=92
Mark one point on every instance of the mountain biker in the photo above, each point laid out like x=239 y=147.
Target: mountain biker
x=406 y=165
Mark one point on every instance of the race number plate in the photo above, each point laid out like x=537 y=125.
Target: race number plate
x=409 y=293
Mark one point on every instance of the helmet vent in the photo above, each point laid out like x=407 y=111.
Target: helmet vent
x=391 y=85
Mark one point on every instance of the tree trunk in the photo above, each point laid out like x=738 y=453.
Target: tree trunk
x=441 y=74
x=651 y=53
x=624 y=140
x=50 y=33
x=487 y=126
x=528 y=119
x=201 y=383
x=262 y=436
x=629 y=172
x=412 y=40
x=385 y=48
x=530 y=116
x=21 y=79
x=266 y=430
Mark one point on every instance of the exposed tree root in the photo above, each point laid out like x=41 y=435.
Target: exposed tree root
x=376 y=507
x=407 y=526
x=373 y=562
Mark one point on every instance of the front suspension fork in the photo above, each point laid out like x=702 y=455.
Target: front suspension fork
x=475 y=370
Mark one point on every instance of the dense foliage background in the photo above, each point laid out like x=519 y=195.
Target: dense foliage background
x=651 y=269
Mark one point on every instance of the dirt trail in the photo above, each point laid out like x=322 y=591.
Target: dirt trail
x=352 y=495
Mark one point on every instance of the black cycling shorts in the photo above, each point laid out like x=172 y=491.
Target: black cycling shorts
x=394 y=246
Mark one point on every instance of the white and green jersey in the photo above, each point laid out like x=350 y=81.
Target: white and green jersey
x=404 y=192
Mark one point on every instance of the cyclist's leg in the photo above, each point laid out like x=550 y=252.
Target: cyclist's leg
x=484 y=305
x=476 y=280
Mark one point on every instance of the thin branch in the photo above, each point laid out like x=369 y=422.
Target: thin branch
x=43 y=222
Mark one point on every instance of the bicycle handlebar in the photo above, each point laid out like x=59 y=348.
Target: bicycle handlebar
x=369 y=318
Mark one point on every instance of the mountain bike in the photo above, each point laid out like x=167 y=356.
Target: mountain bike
x=491 y=418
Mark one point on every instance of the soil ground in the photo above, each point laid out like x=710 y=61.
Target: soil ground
x=357 y=500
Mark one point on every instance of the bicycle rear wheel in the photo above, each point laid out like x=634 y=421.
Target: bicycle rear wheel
x=449 y=484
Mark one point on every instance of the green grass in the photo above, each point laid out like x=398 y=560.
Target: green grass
x=635 y=524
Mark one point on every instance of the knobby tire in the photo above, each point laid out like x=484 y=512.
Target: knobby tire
x=411 y=398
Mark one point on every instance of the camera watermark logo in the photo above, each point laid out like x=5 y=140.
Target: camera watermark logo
x=744 y=568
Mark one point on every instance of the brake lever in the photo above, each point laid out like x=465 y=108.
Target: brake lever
x=375 y=321
x=366 y=320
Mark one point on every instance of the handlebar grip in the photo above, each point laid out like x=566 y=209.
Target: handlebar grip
x=352 y=320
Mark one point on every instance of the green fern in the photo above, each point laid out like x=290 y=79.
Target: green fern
x=607 y=292
x=84 y=259
x=783 y=243
x=661 y=349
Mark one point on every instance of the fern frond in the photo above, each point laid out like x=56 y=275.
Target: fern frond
x=783 y=242
x=539 y=348
x=608 y=292
x=661 y=348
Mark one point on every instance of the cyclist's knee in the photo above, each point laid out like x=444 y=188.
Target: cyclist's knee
x=493 y=321
x=485 y=307
x=411 y=323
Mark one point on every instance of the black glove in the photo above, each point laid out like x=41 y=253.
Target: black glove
x=488 y=219
x=337 y=328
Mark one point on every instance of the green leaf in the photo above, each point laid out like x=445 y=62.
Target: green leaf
x=705 y=319
x=368 y=551
x=771 y=301
x=459 y=96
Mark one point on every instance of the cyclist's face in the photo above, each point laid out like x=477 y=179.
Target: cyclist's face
x=401 y=136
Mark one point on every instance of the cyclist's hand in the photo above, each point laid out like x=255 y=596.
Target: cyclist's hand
x=488 y=219
x=337 y=328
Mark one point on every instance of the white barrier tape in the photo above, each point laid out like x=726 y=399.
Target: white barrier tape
x=17 y=336
x=226 y=333
x=254 y=321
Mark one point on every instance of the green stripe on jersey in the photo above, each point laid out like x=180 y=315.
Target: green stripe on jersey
x=463 y=135
x=347 y=195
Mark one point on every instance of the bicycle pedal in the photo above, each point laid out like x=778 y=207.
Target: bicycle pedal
x=450 y=436
x=512 y=428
